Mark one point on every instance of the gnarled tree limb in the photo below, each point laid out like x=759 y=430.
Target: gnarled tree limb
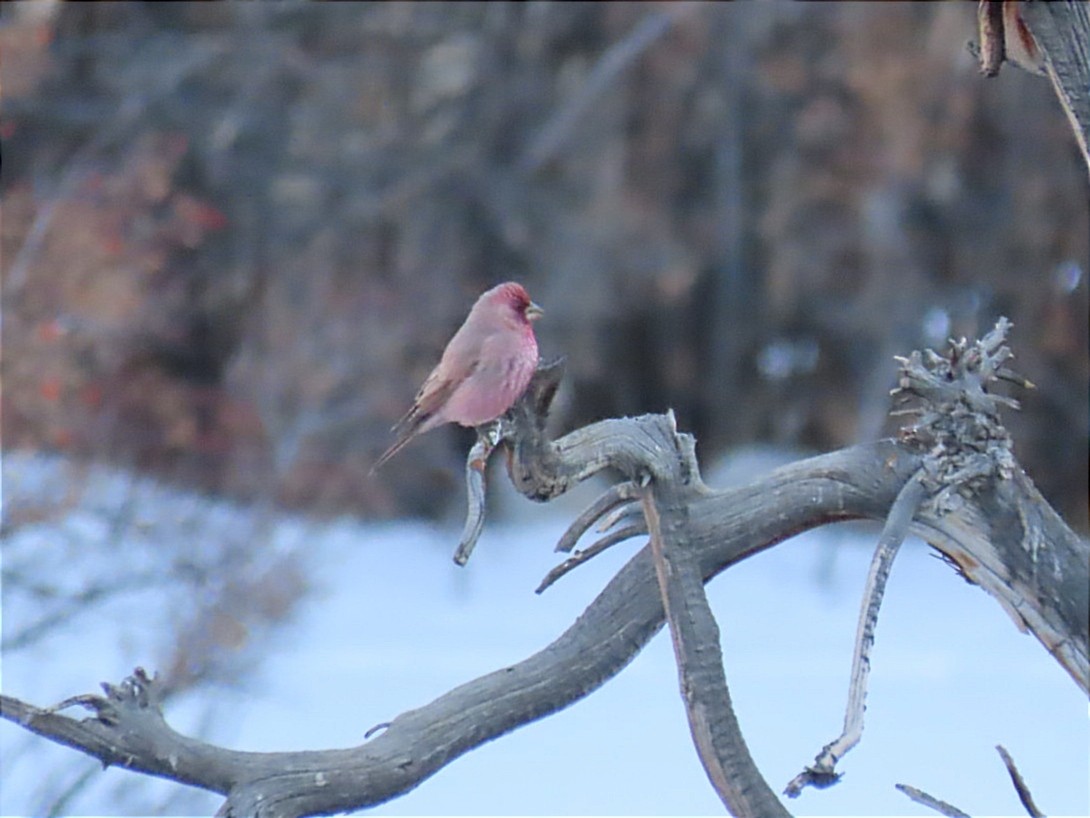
x=695 y=637
x=1002 y=536
x=963 y=445
x=727 y=527
x=823 y=771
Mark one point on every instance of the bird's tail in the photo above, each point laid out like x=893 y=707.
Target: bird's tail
x=406 y=429
x=398 y=445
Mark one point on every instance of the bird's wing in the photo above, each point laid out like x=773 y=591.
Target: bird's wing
x=460 y=360
x=431 y=397
x=435 y=392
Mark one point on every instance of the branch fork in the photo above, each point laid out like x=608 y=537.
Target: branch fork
x=994 y=535
x=963 y=445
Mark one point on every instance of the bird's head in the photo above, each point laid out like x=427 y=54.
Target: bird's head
x=513 y=297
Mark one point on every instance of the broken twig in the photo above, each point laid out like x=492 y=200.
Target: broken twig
x=579 y=557
x=989 y=16
x=476 y=463
x=823 y=772
x=964 y=446
x=616 y=496
x=1019 y=784
x=941 y=807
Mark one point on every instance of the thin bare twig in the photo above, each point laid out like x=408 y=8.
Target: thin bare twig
x=630 y=511
x=579 y=557
x=941 y=807
x=823 y=772
x=989 y=15
x=1019 y=784
x=618 y=495
x=488 y=437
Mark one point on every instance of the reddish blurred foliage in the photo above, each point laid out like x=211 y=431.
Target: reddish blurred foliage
x=50 y=389
x=248 y=230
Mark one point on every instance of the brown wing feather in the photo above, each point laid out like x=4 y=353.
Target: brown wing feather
x=431 y=397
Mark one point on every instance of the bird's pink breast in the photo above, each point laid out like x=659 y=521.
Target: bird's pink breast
x=507 y=362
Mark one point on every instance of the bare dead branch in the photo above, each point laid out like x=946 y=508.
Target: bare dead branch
x=941 y=807
x=1061 y=32
x=1020 y=785
x=695 y=637
x=590 y=552
x=823 y=771
x=963 y=445
x=622 y=512
x=127 y=730
x=1050 y=39
x=989 y=16
x=476 y=463
x=959 y=430
x=727 y=527
x=619 y=495
x=999 y=536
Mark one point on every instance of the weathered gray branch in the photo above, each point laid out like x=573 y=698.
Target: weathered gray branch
x=476 y=462
x=590 y=552
x=1061 y=31
x=1002 y=535
x=963 y=445
x=695 y=637
x=727 y=527
x=823 y=771
x=1020 y=785
x=616 y=497
x=940 y=806
x=949 y=810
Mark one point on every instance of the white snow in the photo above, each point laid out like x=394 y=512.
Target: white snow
x=392 y=623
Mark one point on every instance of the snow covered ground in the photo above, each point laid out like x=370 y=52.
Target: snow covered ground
x=392 y=623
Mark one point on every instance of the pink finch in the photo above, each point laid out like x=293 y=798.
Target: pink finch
x=484 y=369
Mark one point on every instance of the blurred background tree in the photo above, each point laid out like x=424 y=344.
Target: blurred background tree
x=236 y=236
